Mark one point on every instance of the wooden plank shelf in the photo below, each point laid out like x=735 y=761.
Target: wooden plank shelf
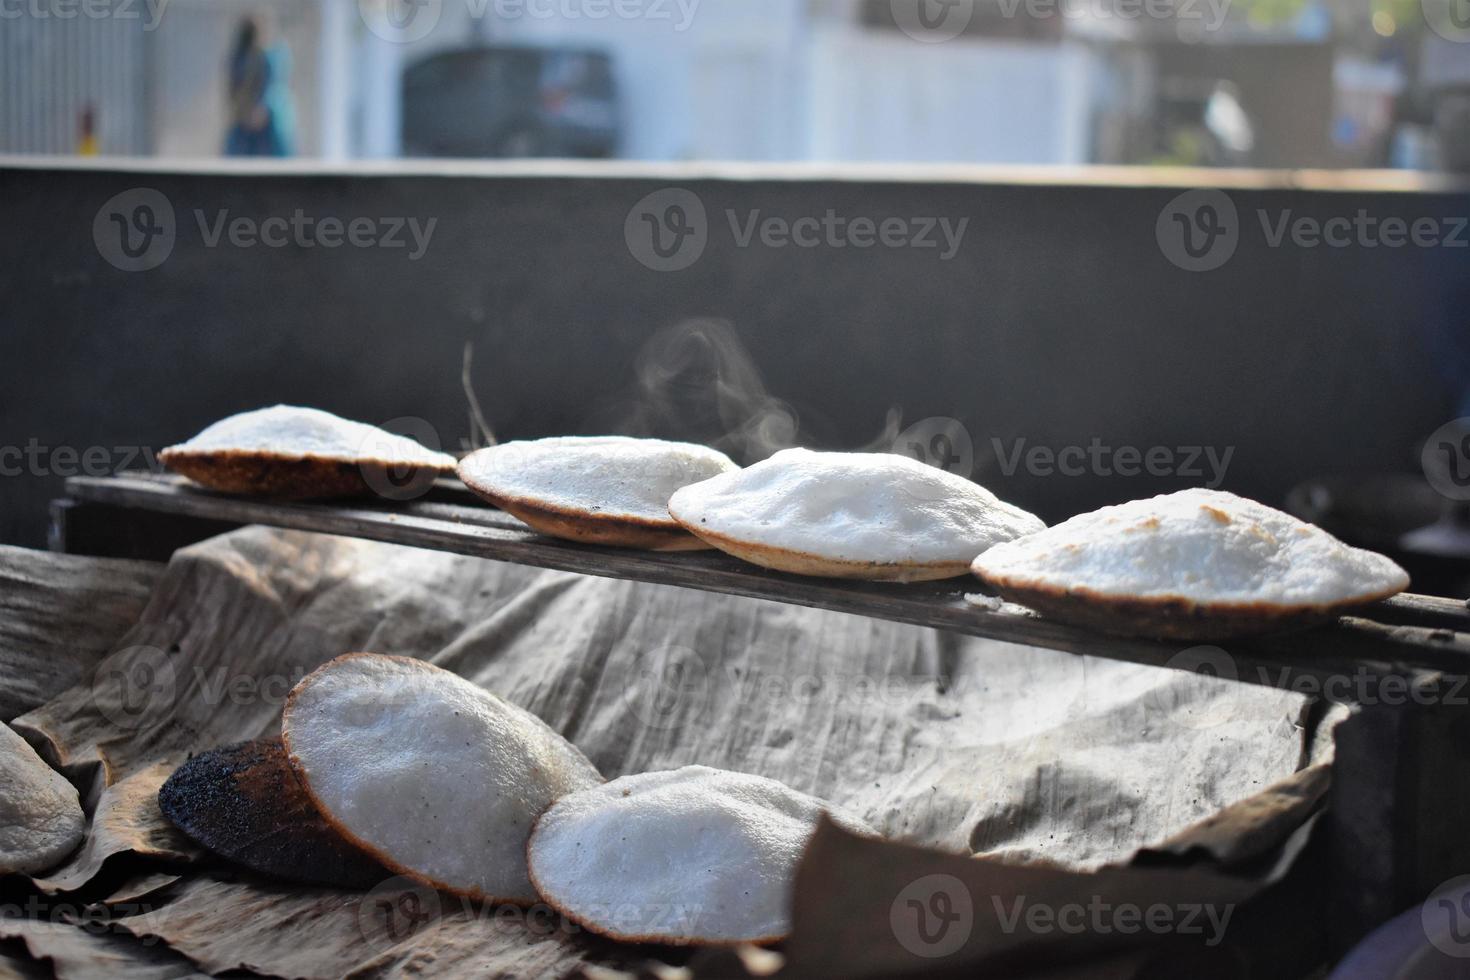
x=1410 y=635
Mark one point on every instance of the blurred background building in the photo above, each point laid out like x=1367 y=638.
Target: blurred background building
x=1275 y=83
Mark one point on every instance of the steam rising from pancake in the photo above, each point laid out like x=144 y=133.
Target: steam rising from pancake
x=696 y=381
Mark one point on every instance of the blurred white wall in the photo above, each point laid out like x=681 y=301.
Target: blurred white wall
x=52 y=68
x=879 y=96
x=700 y=79
x=766 y=80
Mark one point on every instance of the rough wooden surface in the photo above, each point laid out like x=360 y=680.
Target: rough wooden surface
x=1405 y=635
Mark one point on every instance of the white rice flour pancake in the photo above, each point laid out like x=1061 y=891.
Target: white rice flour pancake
x=302 y=453
x=693 y=855
x=41 y=819
x=433 y=776
x=1198 y=564
x=609 y=490
x=872 y=516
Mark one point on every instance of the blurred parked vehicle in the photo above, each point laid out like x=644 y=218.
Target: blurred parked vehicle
x=510 y=102
x=1202 y=123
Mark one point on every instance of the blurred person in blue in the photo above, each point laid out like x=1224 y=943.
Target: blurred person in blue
x=262 y=117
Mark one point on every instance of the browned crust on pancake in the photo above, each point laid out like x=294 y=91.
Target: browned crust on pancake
x=603 y=930
x=473 y=894
x=586 y=527
x=1169 y=617
x=805 y=563
x=263 y=474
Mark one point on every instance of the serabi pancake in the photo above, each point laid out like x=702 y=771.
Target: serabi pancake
x=875 y=516
x=300 y=454
x=434 y=777
x=1198 y=564
x=606 y=490
x=245 y=803
x=689 y=856
x=41 y=818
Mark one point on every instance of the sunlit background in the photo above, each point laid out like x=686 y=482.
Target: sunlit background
x=1270 y=83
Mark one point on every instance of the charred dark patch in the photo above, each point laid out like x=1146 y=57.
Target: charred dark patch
x=244 y=803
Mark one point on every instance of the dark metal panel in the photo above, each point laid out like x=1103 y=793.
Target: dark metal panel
x=1059 y=321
